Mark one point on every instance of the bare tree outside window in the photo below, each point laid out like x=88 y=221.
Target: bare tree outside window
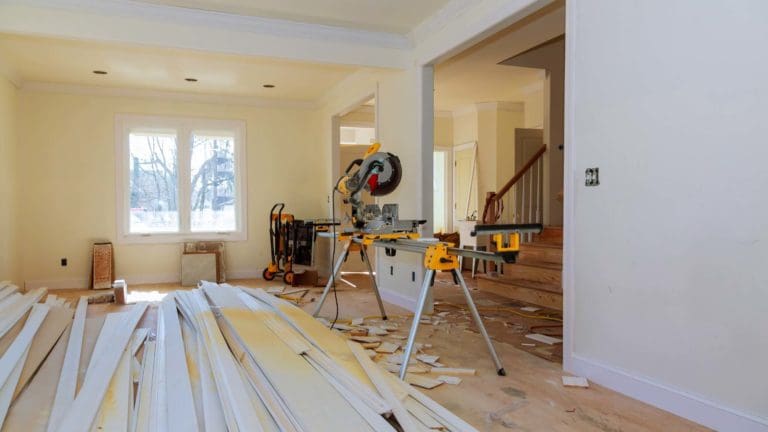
x=213 y=194
x=153 y=183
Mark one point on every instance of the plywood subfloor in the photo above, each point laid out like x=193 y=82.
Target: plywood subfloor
x=530 y=398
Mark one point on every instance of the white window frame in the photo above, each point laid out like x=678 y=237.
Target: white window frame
x=183 y=127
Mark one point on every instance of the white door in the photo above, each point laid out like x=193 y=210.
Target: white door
x=465 y=181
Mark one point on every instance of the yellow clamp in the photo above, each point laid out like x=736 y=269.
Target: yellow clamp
x=437 y=258
x=511 y=245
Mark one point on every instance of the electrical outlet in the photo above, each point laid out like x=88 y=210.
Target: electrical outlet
x=592 y=177
x=63 y=262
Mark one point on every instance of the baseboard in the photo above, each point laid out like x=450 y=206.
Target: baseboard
x=399 y=299
x=245 y=274
x=74 y=283
x=694 y=408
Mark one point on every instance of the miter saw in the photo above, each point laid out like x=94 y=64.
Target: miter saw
x=379 y=173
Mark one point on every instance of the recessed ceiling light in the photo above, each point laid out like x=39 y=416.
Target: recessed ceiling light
x=268 y=86
x=100 y=72
x=190 y=79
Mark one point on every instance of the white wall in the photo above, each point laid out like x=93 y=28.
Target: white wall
x=66 y=163
x=9 y=269
x=669 y=288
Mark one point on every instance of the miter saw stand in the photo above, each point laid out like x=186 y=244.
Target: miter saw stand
x=438 y=256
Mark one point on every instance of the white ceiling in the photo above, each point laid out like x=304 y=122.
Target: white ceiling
x=474 y=75
x=36 y=59
x=396 y=16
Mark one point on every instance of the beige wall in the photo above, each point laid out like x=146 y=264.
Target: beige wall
x=508 y=121
x=8 y=180
x=443 y=131
x=67 y=169
x=534 y=110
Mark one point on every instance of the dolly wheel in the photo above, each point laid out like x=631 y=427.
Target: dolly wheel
x=288 y=277
x=268 y=275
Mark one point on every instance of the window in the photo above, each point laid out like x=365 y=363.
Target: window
x=180 y=179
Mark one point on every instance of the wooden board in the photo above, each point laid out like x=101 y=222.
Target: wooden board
x=303 y=386
x=56 y=321
x=31 y=410
x=86 y=404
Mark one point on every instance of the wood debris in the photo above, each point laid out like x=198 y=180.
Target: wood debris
x=221 y=358
x=549 y=340
x=570 y=381
x=387 y=347
x=449 y=379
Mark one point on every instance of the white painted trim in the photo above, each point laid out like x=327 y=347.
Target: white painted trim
x=142 y=23
x=569 y=195
x=71 y=283
x=692 y=407
x=245 y=274
x=398 y=299
x=251 y=101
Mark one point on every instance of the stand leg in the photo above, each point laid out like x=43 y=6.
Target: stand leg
x=476 y=315
x=425 y=288
x=332 y=278
x=367 y=260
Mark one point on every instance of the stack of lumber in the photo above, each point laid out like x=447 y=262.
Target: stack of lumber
x=221 y=358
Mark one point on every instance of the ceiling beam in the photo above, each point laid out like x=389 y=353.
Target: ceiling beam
x=146 y=24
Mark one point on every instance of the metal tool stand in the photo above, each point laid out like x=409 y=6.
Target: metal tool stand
x=337 y=268
x=426 y=287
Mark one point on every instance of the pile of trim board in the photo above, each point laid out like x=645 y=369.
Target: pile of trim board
x=220 y=359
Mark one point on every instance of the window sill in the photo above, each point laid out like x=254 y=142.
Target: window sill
x=173 y=238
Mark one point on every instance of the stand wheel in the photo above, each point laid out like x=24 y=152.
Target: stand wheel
x=502 y=372
x=268 y=275
x=288 y=277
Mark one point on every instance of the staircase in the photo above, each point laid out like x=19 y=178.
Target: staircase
x=536 y=277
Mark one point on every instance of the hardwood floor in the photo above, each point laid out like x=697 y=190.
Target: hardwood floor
x=530 y=398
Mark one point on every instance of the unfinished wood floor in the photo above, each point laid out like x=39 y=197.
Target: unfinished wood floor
x=531 y=396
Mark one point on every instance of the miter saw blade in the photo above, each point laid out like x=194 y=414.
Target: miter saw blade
x=388 y=176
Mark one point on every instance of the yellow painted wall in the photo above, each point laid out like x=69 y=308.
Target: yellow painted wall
x=443 y=131
x=508 y=121
x=8 y=180
x=67 y=182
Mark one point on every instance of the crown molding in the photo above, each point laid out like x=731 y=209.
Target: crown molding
x=45 y=87
x=128 y=21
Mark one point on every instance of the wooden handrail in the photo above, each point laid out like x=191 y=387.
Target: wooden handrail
x=494 y=197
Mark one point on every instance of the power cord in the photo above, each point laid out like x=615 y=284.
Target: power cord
x=333 y=254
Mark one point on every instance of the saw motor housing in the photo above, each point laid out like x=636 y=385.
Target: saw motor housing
x=379 y=173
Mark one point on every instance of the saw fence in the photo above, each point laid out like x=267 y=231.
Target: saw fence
x=221 y=358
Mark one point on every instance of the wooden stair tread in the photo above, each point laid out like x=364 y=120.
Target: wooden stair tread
x=549 y=299
x=524 y=283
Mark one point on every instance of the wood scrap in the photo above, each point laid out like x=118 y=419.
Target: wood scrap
x=449 y=379
x=571 y=381
x=549 y=340
x=453 y=371
x=422 y=381
x=366 y=339
x=387 y=347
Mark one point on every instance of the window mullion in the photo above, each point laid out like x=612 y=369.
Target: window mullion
x=185 y=150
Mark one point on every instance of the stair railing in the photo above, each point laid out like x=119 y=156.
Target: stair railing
x=520 y=199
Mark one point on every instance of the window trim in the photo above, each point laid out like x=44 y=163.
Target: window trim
x=184 y=128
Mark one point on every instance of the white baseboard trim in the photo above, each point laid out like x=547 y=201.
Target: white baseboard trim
x=676 y=401
x=245 y=274
x=399 y=299
x=73 y=283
